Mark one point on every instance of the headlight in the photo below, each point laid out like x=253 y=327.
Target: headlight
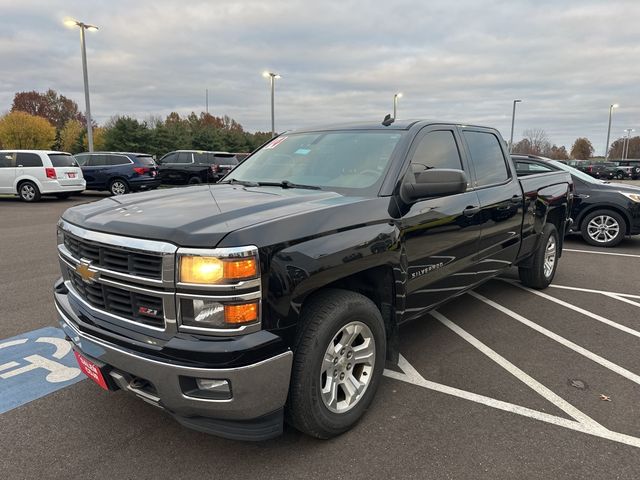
x=634 y=197
x=206 y=313
x=216 y=267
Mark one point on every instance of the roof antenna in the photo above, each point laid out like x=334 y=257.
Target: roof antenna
x=388 y=120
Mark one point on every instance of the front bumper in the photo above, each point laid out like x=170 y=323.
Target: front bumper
x=258 y=391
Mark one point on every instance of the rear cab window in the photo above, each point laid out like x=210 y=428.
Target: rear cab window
x=488 y=159
x=62 y=160
x=115 y=160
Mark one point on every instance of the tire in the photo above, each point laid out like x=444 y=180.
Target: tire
x=619 y=175
x=28 y=192
x=63 y=196
x=118 y=186
x=324 y=319
x=194 y=181
x=540 y=272
x=603 y=228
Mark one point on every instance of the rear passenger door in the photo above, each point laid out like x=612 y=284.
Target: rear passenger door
x=7 y=172
x=30 y=164
x=440 y=234
x=501 y=199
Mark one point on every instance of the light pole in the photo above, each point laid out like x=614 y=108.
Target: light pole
x=606 y=153
x=625 y=144
x=70 y=22
x=272 y=79
x=513 y=121
x=395 y=103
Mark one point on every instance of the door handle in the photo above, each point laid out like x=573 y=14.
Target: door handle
x=516 y=199
x=470 y=211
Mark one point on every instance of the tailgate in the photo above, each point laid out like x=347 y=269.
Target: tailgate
x=68 y=176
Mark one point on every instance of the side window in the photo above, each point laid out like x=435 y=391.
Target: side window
x=184 y=157
x=28 y=159
x=436 y=149
x=97 y=160
x=201 y=157
x=537 y=168
x=81 y=159
x=487 y=158
x=6 y=160
x=117 y=160
x=169 y=158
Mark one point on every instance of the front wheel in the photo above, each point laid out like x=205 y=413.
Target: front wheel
x=540 y=272
x=194 y=181
x=338 y=363
x=603 y=228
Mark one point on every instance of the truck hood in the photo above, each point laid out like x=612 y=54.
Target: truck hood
x=198 y=216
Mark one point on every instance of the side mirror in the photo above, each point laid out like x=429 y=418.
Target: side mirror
x=434 y=183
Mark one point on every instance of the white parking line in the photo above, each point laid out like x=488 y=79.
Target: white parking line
x=411 y=376
x=536 y=386
x=591 y=290
x=584 y=312
x=622 y=299
x=601 y=253
x=563 y=341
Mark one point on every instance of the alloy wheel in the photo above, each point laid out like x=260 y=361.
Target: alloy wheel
x=550 y=256
x=118 y=188
x=603 y=228
x=28 y=192
x=347 y=367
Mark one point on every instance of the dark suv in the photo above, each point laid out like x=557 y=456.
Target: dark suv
x=633 y=167
x=187 y=167
x=119 y=172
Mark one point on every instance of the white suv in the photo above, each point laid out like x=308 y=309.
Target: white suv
x=31 y=173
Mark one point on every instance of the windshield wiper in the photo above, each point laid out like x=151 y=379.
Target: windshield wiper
x=245 y=183
x=288 y=184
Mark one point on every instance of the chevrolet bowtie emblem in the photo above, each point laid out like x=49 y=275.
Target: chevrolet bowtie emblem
x=86 y=273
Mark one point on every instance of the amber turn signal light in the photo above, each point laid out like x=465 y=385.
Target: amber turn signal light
x=243 y=313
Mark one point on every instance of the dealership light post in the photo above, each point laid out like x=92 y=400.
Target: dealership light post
x=625 y=143
x=513 y=121
x=272 y=79
x=606 y=153
x=395 y=104
x=70 y=22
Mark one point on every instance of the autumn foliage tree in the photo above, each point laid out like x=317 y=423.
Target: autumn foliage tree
x=582 y=149
x=21 y=130
x=633 y=148
x=56 y=108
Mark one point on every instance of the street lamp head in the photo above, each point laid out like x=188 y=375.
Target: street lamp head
x=398 y=95
x=70 y=22
x=614 y=105
x=517 y=101
x=91 y=28
x=266 y=74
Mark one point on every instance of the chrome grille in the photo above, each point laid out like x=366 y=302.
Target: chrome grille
x=116 y=259
x=140 y=308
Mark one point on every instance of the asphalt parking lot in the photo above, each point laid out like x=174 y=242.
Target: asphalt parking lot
x=503 y=383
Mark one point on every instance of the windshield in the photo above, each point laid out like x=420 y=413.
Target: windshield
x=575 y=172
x=352 y=160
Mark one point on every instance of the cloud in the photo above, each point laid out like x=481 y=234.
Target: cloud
x=339 y=60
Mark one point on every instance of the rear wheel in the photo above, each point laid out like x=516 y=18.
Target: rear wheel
x=338 y=363
x=29 y=192
x=603 y=228
x=540 y=272
x=194 y=181
x=118 y=187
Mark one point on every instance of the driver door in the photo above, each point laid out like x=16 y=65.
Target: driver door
x=441 y=234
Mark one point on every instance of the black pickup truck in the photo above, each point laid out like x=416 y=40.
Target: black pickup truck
x=277 y=294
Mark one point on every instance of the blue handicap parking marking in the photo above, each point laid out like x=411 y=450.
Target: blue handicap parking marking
x=35 y=364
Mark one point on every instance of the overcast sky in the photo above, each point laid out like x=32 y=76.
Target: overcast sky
x=461 y=60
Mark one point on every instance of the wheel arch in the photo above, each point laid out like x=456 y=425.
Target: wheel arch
x=620 y=211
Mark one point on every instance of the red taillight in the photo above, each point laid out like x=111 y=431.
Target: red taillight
x=51 y=173
x=215 y=168
x=141 y=170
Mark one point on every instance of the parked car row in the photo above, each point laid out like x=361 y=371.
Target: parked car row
x=603 y=212
x=618 y=170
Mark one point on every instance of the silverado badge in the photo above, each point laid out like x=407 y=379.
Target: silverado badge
x=86 y=273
